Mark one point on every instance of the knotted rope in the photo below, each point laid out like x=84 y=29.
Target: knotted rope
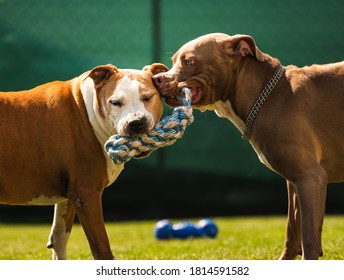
x=165 y=133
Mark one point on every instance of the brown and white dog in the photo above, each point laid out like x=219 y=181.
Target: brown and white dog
x=51 y=145
x=297 y=130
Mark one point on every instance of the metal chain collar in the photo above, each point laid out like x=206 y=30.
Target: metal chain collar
x=260 y=101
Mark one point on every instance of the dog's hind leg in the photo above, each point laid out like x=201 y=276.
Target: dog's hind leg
x=64 y=214
x=292 y=245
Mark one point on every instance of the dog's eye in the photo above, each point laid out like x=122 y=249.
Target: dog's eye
x=189 y=62
x=146 y=98
x=116 y=103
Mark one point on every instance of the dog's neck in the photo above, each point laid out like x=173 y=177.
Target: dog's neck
x=250 y=82
x=101 y=128
x=251 y=76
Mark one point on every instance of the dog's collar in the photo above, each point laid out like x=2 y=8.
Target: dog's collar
x=260 y=101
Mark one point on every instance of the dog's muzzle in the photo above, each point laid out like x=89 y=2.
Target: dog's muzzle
x=138 y=126
x=134 y=124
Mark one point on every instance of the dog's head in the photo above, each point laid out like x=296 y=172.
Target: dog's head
x=203 y=65
x=126 y=100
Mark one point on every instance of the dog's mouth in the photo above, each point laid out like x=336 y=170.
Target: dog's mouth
x=196 y=95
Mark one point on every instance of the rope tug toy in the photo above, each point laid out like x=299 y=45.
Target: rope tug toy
x=165 y=133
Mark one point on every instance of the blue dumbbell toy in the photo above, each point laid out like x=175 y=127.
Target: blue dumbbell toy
x=207 y=228
x=164 y=229
x=183 y=230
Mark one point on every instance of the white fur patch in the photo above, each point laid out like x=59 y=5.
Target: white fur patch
x=225 y=110
x=101 y=128
x=127 y=92
x=58 y=235
x=46 y=200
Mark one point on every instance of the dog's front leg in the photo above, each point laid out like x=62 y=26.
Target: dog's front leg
x=292 y=245
x=64 y=214
x=89 y=210
x=311 y=192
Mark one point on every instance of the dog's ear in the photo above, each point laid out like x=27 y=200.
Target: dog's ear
x=155 y=68
x=99 y=75
x=243 y=45
x=102 y=73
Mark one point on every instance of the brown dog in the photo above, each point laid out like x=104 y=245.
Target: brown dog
x=297 y=131
x=52 y=139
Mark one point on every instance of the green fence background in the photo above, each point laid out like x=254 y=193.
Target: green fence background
x=211 y=171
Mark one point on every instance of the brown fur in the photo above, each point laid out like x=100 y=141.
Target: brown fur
x=298 y=133
x=50 y=154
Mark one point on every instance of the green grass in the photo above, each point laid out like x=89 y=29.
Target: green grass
x=253 y=238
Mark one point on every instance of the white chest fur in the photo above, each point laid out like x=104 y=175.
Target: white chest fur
x=225 y=110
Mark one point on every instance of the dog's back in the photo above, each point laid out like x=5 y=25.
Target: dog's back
x=309 y=110
x=38 y=141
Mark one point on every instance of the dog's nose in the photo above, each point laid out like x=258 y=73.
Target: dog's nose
x=159 y=79
x=137 y=127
